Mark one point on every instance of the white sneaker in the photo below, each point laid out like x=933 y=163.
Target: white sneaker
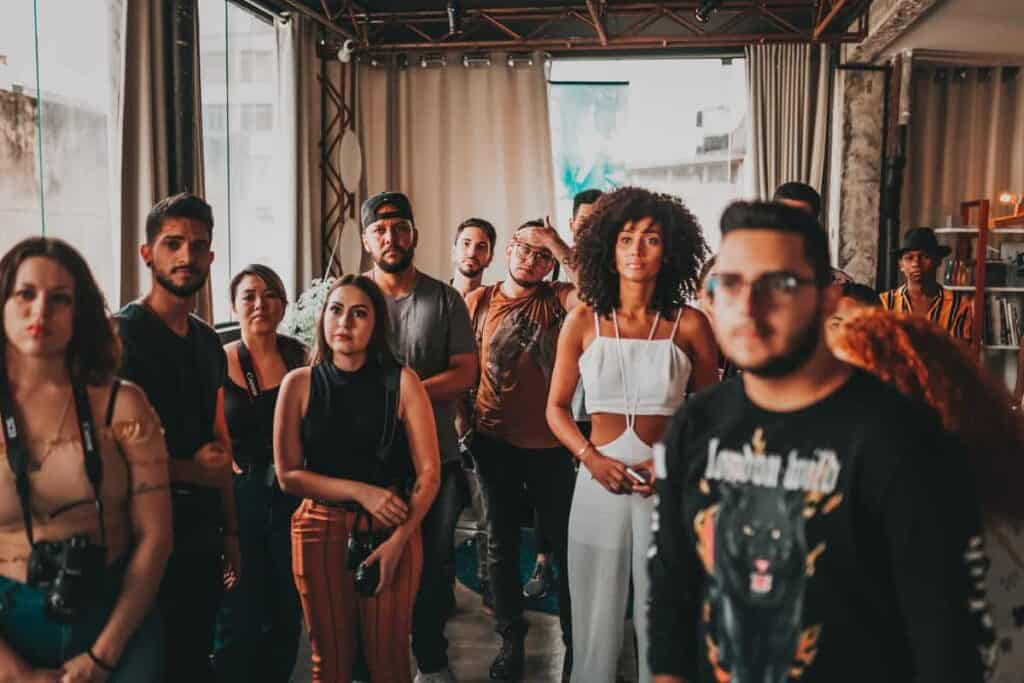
x=445 y=675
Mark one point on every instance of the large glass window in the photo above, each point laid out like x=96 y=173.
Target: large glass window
x=241 y=135
x=671 y=125
x=58 y=118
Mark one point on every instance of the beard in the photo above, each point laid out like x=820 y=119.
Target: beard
x=399 y=266
x=181 y=291
x=469 y=272
x=525 y=284
x=793 y=359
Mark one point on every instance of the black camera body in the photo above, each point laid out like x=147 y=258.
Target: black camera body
x=360 y=546
x=71 y=570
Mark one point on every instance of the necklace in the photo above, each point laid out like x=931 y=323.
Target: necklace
x=37 y=464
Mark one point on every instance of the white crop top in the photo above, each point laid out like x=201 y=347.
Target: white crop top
x=656 y=373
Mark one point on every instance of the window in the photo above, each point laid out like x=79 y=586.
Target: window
x=257 y=117
x=58 y=128
x=240 y=137
x=670 y=125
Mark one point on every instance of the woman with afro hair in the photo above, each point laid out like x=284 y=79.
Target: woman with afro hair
x=924 y=362
x=638 y=350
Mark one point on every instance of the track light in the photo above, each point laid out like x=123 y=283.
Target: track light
x=519 y=59
x=345 y=53
x=433 y=60
x=454 y=18
x=706 y=9
x=472 y=60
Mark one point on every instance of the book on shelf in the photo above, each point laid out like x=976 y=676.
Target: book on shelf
x=1003 y=321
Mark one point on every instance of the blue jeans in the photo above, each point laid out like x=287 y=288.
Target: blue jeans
x=260 y=619
x=436 y=595
x=46 y=644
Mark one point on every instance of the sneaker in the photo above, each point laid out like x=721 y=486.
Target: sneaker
x=445 y=675
x=541 y=581
x=508 y=665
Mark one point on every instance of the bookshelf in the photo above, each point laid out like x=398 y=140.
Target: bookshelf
x=980 y=257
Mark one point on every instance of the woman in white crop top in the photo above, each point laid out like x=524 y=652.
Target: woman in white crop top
x=638 y=350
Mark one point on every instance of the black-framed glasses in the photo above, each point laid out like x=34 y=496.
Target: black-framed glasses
x=769 y=288
x=527 y=253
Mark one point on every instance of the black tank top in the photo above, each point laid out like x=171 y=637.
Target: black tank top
x=345 y=423
x=251 y=420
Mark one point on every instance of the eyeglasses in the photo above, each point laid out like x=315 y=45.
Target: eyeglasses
x=527 y=253
x=380 y=229
x=768 y=289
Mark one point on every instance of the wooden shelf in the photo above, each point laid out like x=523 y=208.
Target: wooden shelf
x=974 y=231
x=988 y=290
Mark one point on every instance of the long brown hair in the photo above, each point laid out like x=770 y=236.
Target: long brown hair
x=94 y=352
x=379 y=348
x=921 y=360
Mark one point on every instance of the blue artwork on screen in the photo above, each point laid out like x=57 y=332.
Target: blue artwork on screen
x=589 y=120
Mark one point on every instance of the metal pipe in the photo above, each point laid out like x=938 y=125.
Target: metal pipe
x=329 y=25
x=183 y=95
x=598 y=24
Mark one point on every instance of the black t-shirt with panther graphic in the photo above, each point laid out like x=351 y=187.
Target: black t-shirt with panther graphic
x=839 y=542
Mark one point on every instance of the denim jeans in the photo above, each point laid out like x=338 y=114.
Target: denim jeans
x=548 y=475
x=260 y=620
x=436 y=595
x=46 y=644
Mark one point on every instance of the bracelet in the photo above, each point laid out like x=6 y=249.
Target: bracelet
x=109 y=668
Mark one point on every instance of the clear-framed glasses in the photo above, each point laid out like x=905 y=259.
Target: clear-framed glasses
x=380 y=229
x=768 y=289
x=527 y=253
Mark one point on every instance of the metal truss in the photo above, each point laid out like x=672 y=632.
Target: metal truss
x=592 y=25
x=337 y=119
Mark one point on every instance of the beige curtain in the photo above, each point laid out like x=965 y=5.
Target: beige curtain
x=460 y=142
x=966 y=141
x=299 y=154
x=788 y=88
x=145 y=134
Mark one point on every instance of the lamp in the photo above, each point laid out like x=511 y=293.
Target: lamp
x=706 y=9
x=1017 y=202
x=433 y=60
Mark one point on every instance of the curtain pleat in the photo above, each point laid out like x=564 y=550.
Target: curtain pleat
x=788 y=89
x=460 y=142
x=965 y=141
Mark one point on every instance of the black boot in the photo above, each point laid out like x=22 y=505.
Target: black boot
x=508 y=665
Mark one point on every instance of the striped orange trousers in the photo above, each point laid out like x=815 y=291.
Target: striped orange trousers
x=333 y=610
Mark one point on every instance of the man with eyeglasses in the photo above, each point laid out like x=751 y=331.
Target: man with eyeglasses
x=431 y=333
x=812 y=523
x=517 y=322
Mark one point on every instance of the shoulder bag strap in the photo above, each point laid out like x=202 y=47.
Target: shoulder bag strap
x=252 y=385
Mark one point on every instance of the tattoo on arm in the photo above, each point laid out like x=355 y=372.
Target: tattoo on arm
x=147 y=487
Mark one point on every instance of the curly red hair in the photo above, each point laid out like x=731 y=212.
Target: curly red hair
x=921 y=360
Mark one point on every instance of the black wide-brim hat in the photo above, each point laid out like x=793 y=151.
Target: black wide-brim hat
x=922 y=239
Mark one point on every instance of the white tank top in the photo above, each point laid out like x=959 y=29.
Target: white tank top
x=654 y=371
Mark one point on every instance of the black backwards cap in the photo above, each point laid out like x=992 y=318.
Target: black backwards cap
x=370 y=212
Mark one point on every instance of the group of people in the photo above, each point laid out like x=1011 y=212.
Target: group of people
x=791 y=482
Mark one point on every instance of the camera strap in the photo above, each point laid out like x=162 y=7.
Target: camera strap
x=17 y=456
x=252 y=384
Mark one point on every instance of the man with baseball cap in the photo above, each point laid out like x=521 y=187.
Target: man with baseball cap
x=432 y=334
x=919 y=259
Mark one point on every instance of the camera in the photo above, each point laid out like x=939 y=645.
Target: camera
x=70 y=570
x=360 y=547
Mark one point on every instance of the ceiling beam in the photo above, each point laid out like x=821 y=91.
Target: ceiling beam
x=598 y=23
x=823 y=25
x=329 y=26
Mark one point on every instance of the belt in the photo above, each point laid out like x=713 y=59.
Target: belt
x=347 y=505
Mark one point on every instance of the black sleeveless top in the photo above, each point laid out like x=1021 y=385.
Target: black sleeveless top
x=251 y=420
x=345 y=423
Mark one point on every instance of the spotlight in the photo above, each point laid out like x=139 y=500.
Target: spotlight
x=454 y=18
x=435 y=60
x=472 y=60
x=706 y=9
x=345 y=53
